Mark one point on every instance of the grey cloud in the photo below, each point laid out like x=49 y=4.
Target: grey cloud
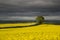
x=30 y=14
x=17 y=18
x=52 y=17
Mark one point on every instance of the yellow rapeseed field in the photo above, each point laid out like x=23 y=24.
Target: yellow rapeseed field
x=39 y=32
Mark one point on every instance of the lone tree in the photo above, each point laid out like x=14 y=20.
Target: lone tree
x=40 y=19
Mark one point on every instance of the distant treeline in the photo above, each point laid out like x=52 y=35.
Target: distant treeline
x=57 y=22
x=16 y=21
x=46 y=21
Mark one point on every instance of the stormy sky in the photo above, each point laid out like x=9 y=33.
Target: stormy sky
x=29 y=7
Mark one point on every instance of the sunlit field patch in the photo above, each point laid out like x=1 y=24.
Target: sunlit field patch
x=15 y=24
x=39 y=32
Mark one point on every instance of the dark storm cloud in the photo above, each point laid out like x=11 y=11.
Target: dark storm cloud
x=29 y=7
x=31 y=2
